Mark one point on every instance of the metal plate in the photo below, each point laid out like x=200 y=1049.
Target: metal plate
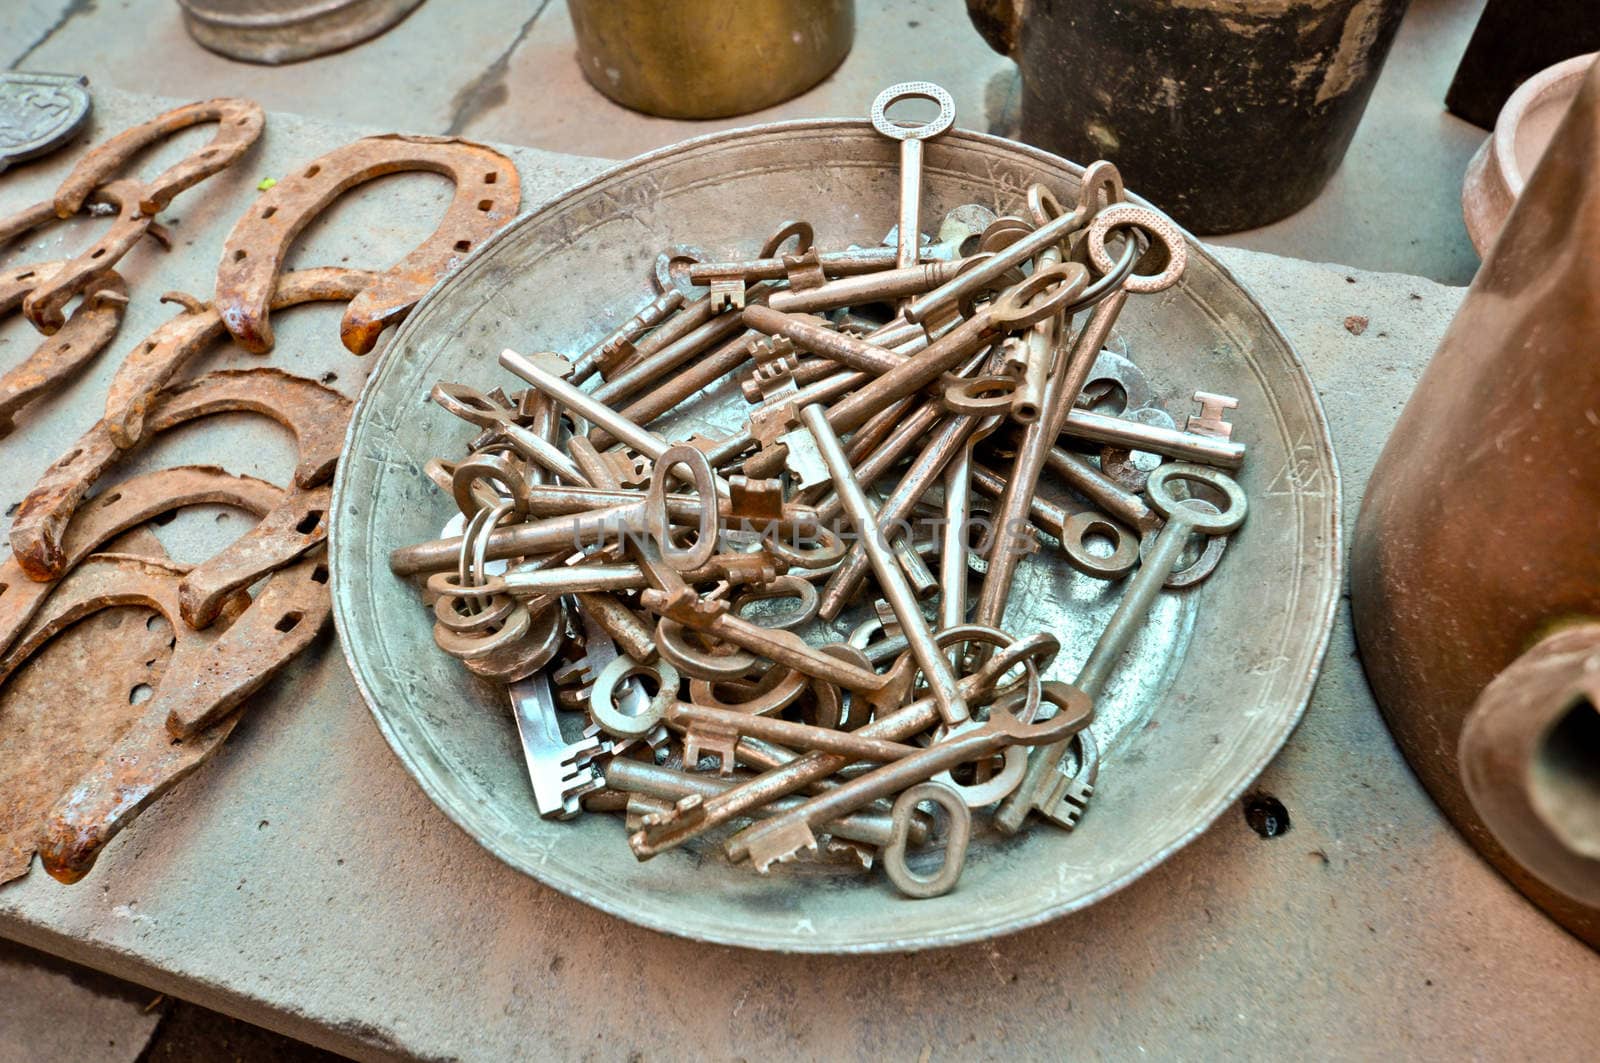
x=1204 y=700
x=39 y=113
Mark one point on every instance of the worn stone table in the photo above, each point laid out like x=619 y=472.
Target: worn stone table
x=303 y=882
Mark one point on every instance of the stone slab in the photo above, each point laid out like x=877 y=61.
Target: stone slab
x=301 y=881
x=49 y=1010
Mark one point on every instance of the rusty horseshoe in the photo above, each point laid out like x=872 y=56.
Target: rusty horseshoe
x=315 y=414
x=58 y=358
x=150 y=365
x=193 y=709
x=239 y=125
x=487 y=195
x=116 y=510
x=44 y=306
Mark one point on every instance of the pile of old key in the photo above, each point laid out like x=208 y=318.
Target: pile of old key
x=689 y=595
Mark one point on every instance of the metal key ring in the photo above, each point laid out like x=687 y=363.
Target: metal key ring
x=490 y=469
x=1156 y=226
x=1203 y=565
x=803 y=592
x=800 y=231
x=1018 y=308
x=1109 y=283
x=469 y=535
x=613 y=720
x=913 y=90
x=480 y=543
x=1164 y=502
x=1125 y=545
x=957 y=837
x=668 y=276
x=979 y=396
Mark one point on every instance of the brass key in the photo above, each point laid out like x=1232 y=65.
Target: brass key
x=1044 y=787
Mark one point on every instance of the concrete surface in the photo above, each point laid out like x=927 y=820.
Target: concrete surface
x=504 y=70
x=52 y=1010
x=303 y=882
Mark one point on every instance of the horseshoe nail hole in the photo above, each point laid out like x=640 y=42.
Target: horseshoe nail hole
x=25 y=276
x=288 y=622
x=309 y=522
x=313 y=171
x=463 y=245
x=239 y=255
x=161 y=520
x=268 y=212
x=243 y=121
x=485 y=205
x=106 y=500
x=98 y=252
x=64 y=348
x=1266 y=815
x=320 y=574
x=490 y=178
x=208 y=153
x=140 y=694
x=71 y=457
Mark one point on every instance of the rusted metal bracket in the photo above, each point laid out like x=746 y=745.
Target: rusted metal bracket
x=58 y=358
x=239 y=125
x=487 y=195
x=150 y=365
x=44 y=306
x=315 y=414
x=128 y=505
x=194 y=707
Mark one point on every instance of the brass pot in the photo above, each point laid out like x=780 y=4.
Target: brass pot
x=693 y=59
x=1478 y=539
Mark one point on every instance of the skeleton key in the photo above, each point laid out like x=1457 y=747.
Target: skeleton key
x=896 y=588
x=1069 y=796
x=632 y=776
x=1040 y=788
x=911 y=138
x=558 y=781
x=783 y=836
x=695 y=815
x=882 y=690
x=717 y=730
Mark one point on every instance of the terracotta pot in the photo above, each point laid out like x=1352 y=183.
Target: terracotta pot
x=1227 y=114
x=1500 y=168
x=1478 y=538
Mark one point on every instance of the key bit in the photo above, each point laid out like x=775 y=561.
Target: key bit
x=558 y=780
